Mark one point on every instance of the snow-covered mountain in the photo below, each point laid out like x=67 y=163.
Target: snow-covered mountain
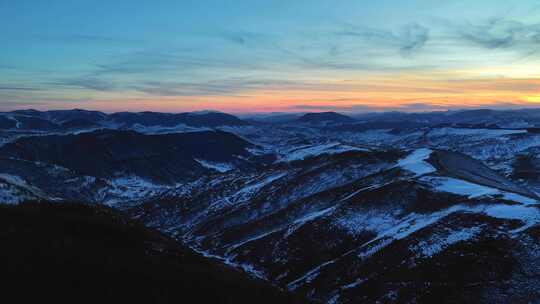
x=110 y=166
x=388 y=208
x=319 y=225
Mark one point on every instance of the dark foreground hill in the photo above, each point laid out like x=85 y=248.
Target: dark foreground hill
x=79 y=253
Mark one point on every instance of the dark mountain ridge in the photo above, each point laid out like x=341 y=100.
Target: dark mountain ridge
x=325 y=117
x=57 y=120
x=108 y=153
x=61 y=252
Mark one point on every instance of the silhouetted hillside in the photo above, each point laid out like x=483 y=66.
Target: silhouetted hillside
x=323 y=117
x=77 y=253
x=105 y=153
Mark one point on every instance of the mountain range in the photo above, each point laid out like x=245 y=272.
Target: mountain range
x=322 y=207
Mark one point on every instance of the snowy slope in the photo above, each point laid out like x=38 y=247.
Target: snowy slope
x=416 y=162
x=308 y=151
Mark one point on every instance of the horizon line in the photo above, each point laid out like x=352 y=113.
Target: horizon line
x=498 y=109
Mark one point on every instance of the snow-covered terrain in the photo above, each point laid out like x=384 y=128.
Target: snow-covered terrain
x=339 y=212
x=220 y=167
x=14 y=190
x=308 y=151
x=461 y=187
x=416 y=162
x=129 y=189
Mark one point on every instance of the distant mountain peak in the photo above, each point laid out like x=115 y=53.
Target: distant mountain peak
x=325 y=117
x=205 y=112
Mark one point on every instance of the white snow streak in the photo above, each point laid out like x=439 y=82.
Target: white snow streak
x=415 y=162
x=220 y=167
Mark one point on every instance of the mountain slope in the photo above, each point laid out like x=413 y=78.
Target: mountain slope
x=110 y=153
x=317 y=226
x=77 y=119
x=148 y=119
x=396 y=208
x=61 y=252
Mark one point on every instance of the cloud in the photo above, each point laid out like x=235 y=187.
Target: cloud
x=89 y=83
x=244 y=38
x=6 y=67
x=413 y=37
x=347 y=108
x=160 y=88
x=142 y=62
x=146 y=62
x=220 y=87
x=85 y=39
x=524 y=85
x=408 y=39
x=16 y=88
x=409 y=107
x=500 y=33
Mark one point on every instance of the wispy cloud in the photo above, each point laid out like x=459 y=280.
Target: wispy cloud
x=90 y=83
x=16 y=88
x=245 y=38
x=359 y=108
x=414 y=37
x=147 y=62
x=409 y=107
x=225 y=86
x=7 y=67
x=85 y=39
x=409 y=38
x=500 y=33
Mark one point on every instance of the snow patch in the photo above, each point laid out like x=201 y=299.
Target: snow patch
x=415 y=162
x=304 y=152
x=17 y=122
x=245 y=193
x=129 y=188
x=437 y=243
x=529 y=215
x=461 y=187
x=220 y=167
x=374 y=221
x=254 y=187
x=249 y=269
x=308 y=277
x=407 y=226
x=16 y=181
x=10 y=195
x=308 y=218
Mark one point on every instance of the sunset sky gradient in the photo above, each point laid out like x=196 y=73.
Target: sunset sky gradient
x=269 y=56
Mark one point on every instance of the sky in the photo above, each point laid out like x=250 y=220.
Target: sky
x=246 y=56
